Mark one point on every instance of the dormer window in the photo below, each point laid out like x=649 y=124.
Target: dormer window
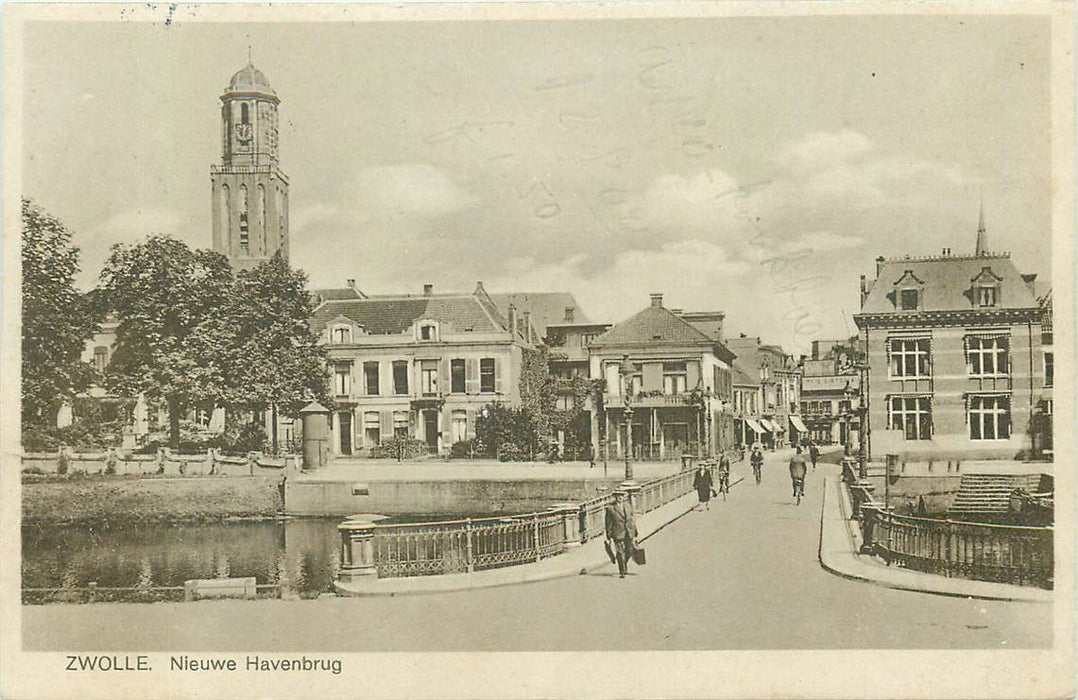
x=986 y=296
x=340 y=334
x=985 y=289
x=908 y=292
x=427 y=331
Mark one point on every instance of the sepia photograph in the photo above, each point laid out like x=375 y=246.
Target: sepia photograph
x=538 y=350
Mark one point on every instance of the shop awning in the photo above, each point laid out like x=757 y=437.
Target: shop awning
x=799 y=424
x=754 y=425
x=768 y=425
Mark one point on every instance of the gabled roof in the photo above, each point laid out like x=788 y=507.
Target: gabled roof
x=653 y=325
x=546 y=308
x=337 y=294
x=387 y=315
x=947 y=283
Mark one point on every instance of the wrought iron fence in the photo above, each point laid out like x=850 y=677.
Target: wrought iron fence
x=460 y=546
x=1001 y=553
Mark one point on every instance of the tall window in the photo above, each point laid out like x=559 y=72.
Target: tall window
x=245 y=238
x=101 y=358
x=372 y=430
x=342 y=334
x=459 y=425
x=986 y=296
x=400 y=377
x=987 y=356
x=1049 y=368
x=400 y=424
x=262 y=216
x=909 y=357
x=674 y=377
x=428 y=331
x=908 y=299
x=429 y=377
x=370 y=378
x=342 y=380
x=486 y=375
x=912 y=415
x=586 y=338
x=226 y=209
x=989 y=418
x=245 y=114
x=457 y=376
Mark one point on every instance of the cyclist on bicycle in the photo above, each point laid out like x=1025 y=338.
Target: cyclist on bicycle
x=757 y=460
x=724 y=475
x=798 y=468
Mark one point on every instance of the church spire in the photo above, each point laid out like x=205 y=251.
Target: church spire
x=982 y=235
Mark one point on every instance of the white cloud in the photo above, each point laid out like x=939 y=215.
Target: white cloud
x=409 y=189
x=823 y=150
x=820 y=242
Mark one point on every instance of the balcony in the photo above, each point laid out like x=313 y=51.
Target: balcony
x=649 y=400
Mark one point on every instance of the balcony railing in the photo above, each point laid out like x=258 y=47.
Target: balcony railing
x=460 y=546
x=649 y=400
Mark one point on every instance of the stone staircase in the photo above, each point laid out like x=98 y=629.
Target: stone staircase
x=990 y=494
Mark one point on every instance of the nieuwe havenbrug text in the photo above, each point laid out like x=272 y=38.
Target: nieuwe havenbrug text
x=80 y=662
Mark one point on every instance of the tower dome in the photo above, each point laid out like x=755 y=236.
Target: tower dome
x=249 y=79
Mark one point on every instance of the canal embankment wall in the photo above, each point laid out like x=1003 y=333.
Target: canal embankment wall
x=126 y=499
x=444 y=496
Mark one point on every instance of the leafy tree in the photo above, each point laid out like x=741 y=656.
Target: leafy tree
x=56 y=319
x=538 y=392
x=173 y=330
x=274 y=360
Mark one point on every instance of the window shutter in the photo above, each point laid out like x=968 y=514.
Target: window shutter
x=692 y=379
x=653 y=376
x=471 y=375
x=445 y=381
x=387 y=425
x=469 y=427
x=499 y=380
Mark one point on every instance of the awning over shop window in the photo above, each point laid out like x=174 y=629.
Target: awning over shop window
x=768 y=425
x=798 y=424
x=754 y=425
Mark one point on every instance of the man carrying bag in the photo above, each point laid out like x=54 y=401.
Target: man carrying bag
x=621 y=531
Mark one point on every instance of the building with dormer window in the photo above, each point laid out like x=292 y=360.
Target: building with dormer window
x=417 y=366
x=955 y=368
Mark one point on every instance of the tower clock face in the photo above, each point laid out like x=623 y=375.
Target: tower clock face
x=243 y=133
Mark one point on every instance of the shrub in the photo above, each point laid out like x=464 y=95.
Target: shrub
x=402 y=447
x=462 y=449
x=511 y=452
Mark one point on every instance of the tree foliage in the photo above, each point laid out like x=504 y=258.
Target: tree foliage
x=274 y=360
x=57 y=320
x=171 y=305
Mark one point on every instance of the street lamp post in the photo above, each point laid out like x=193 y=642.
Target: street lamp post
x=627 y=370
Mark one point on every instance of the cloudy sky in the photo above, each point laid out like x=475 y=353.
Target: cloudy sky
x=751 y=165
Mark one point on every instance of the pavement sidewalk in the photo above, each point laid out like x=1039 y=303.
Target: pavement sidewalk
x=840 y=541
x=588 y=557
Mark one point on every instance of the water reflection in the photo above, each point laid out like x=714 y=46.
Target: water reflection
x=299 y=555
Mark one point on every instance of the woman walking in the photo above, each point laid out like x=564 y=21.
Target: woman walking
x=701 y=481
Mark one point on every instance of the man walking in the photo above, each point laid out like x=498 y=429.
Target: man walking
x=814 y=453
x=621 y=529
x=798 y=469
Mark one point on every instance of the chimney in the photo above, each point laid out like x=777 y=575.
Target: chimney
x=569 y=311
x=428 y=289
x=864 y=290
x=513 y=320
x=528 y=326
x=479 y=288
x=676 y=312
x=657 y=300
x=351 y=284
x=879 y=265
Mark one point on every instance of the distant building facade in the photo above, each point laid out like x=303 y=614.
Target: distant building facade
x=954 y=347
x=779 y=378
x=249 y=189
x=418 y=366
x=678 y=392
x=830 y=392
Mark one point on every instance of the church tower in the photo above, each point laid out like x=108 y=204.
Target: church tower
x=250 y=193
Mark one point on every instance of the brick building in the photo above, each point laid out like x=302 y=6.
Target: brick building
x=955 y=368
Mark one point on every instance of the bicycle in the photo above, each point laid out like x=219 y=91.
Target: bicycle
x=724 y=483
x=799 y=488
x=757 y=471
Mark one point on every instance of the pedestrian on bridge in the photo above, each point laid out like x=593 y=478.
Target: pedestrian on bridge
x=814 y=453
x=798 y=469
x=701 y=481
x=621 y=529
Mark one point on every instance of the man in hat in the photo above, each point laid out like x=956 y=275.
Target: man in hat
x=621 y=529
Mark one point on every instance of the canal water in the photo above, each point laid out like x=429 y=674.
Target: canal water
x=288 y=557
